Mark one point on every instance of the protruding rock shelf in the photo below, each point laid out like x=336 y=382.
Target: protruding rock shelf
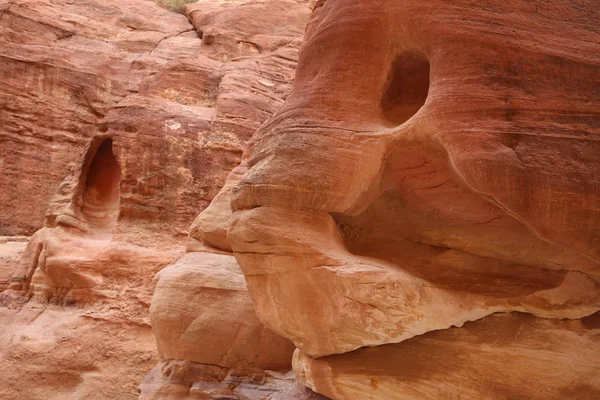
x=506 y=356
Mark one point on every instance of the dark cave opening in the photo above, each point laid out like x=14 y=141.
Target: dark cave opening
x=101 y=194
x=407 y=87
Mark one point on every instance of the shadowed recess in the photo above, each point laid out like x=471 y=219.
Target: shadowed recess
x=101 y=194
x=407 y=87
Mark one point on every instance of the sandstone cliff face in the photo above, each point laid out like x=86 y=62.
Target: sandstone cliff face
x=130 y=69
x=65 y=66
x=435 y=163
x=120 y=122
x=419 y=218
x=211 y=344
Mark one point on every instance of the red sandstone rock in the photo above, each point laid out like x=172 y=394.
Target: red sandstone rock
x=49 y=351
x=201 y=312
x=210 y=227
x=435 y=163
x=64 y=66
x=183 y=380
x=365 y=223
x=237 y=29
x=11 y=250
x=116 y=108
x=498 y=357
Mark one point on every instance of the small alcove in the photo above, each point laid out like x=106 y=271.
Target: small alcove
x=406 y=88
x=101 y=193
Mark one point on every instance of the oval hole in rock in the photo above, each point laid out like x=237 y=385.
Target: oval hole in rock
x=407 y=87
x=101 y=195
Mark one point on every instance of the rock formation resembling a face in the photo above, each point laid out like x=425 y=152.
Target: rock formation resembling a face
x=436 y=162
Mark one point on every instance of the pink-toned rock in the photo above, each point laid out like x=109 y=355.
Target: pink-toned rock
x=52 y=352
x=202 y=315
x=210 y=227
x=201 y=312
x=64 y=67
x=422 y=174
x=435 y=163
x=11 y=250
x=499 y=357
x=175 y=380
x=116 y=130
x=236 y=29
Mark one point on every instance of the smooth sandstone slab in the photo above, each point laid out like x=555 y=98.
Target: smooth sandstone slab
x=201 y=312
x=507 y=356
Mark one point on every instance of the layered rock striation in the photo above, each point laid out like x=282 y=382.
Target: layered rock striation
x=417 y=219
x=434 y=164
x=119 y=123
x=210 y=342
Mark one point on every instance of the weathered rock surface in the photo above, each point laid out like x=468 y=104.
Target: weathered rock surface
x=435 y=163
x=202 y=312
x=11 y=250
x=514 y=356
x=210 y=341
x=64 y=67
x=176 y=380
x=53 y=352
x=355 y=226
x=75 y=314
x=117 y=126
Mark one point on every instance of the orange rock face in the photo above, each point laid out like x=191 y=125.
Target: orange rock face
x=202 y=312
x=435 y=164
x=507 y=356
x=65 y=67
x=211 y=344
x=119 y=122
x=11 y=250
x=418 y=218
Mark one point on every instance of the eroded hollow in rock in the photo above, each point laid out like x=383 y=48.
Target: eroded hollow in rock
x=407 y=87
x=101 y=194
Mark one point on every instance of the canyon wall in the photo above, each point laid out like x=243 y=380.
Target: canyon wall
x=422 y=216
x=210 y=342
x=416 y=217
x=119 y=122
